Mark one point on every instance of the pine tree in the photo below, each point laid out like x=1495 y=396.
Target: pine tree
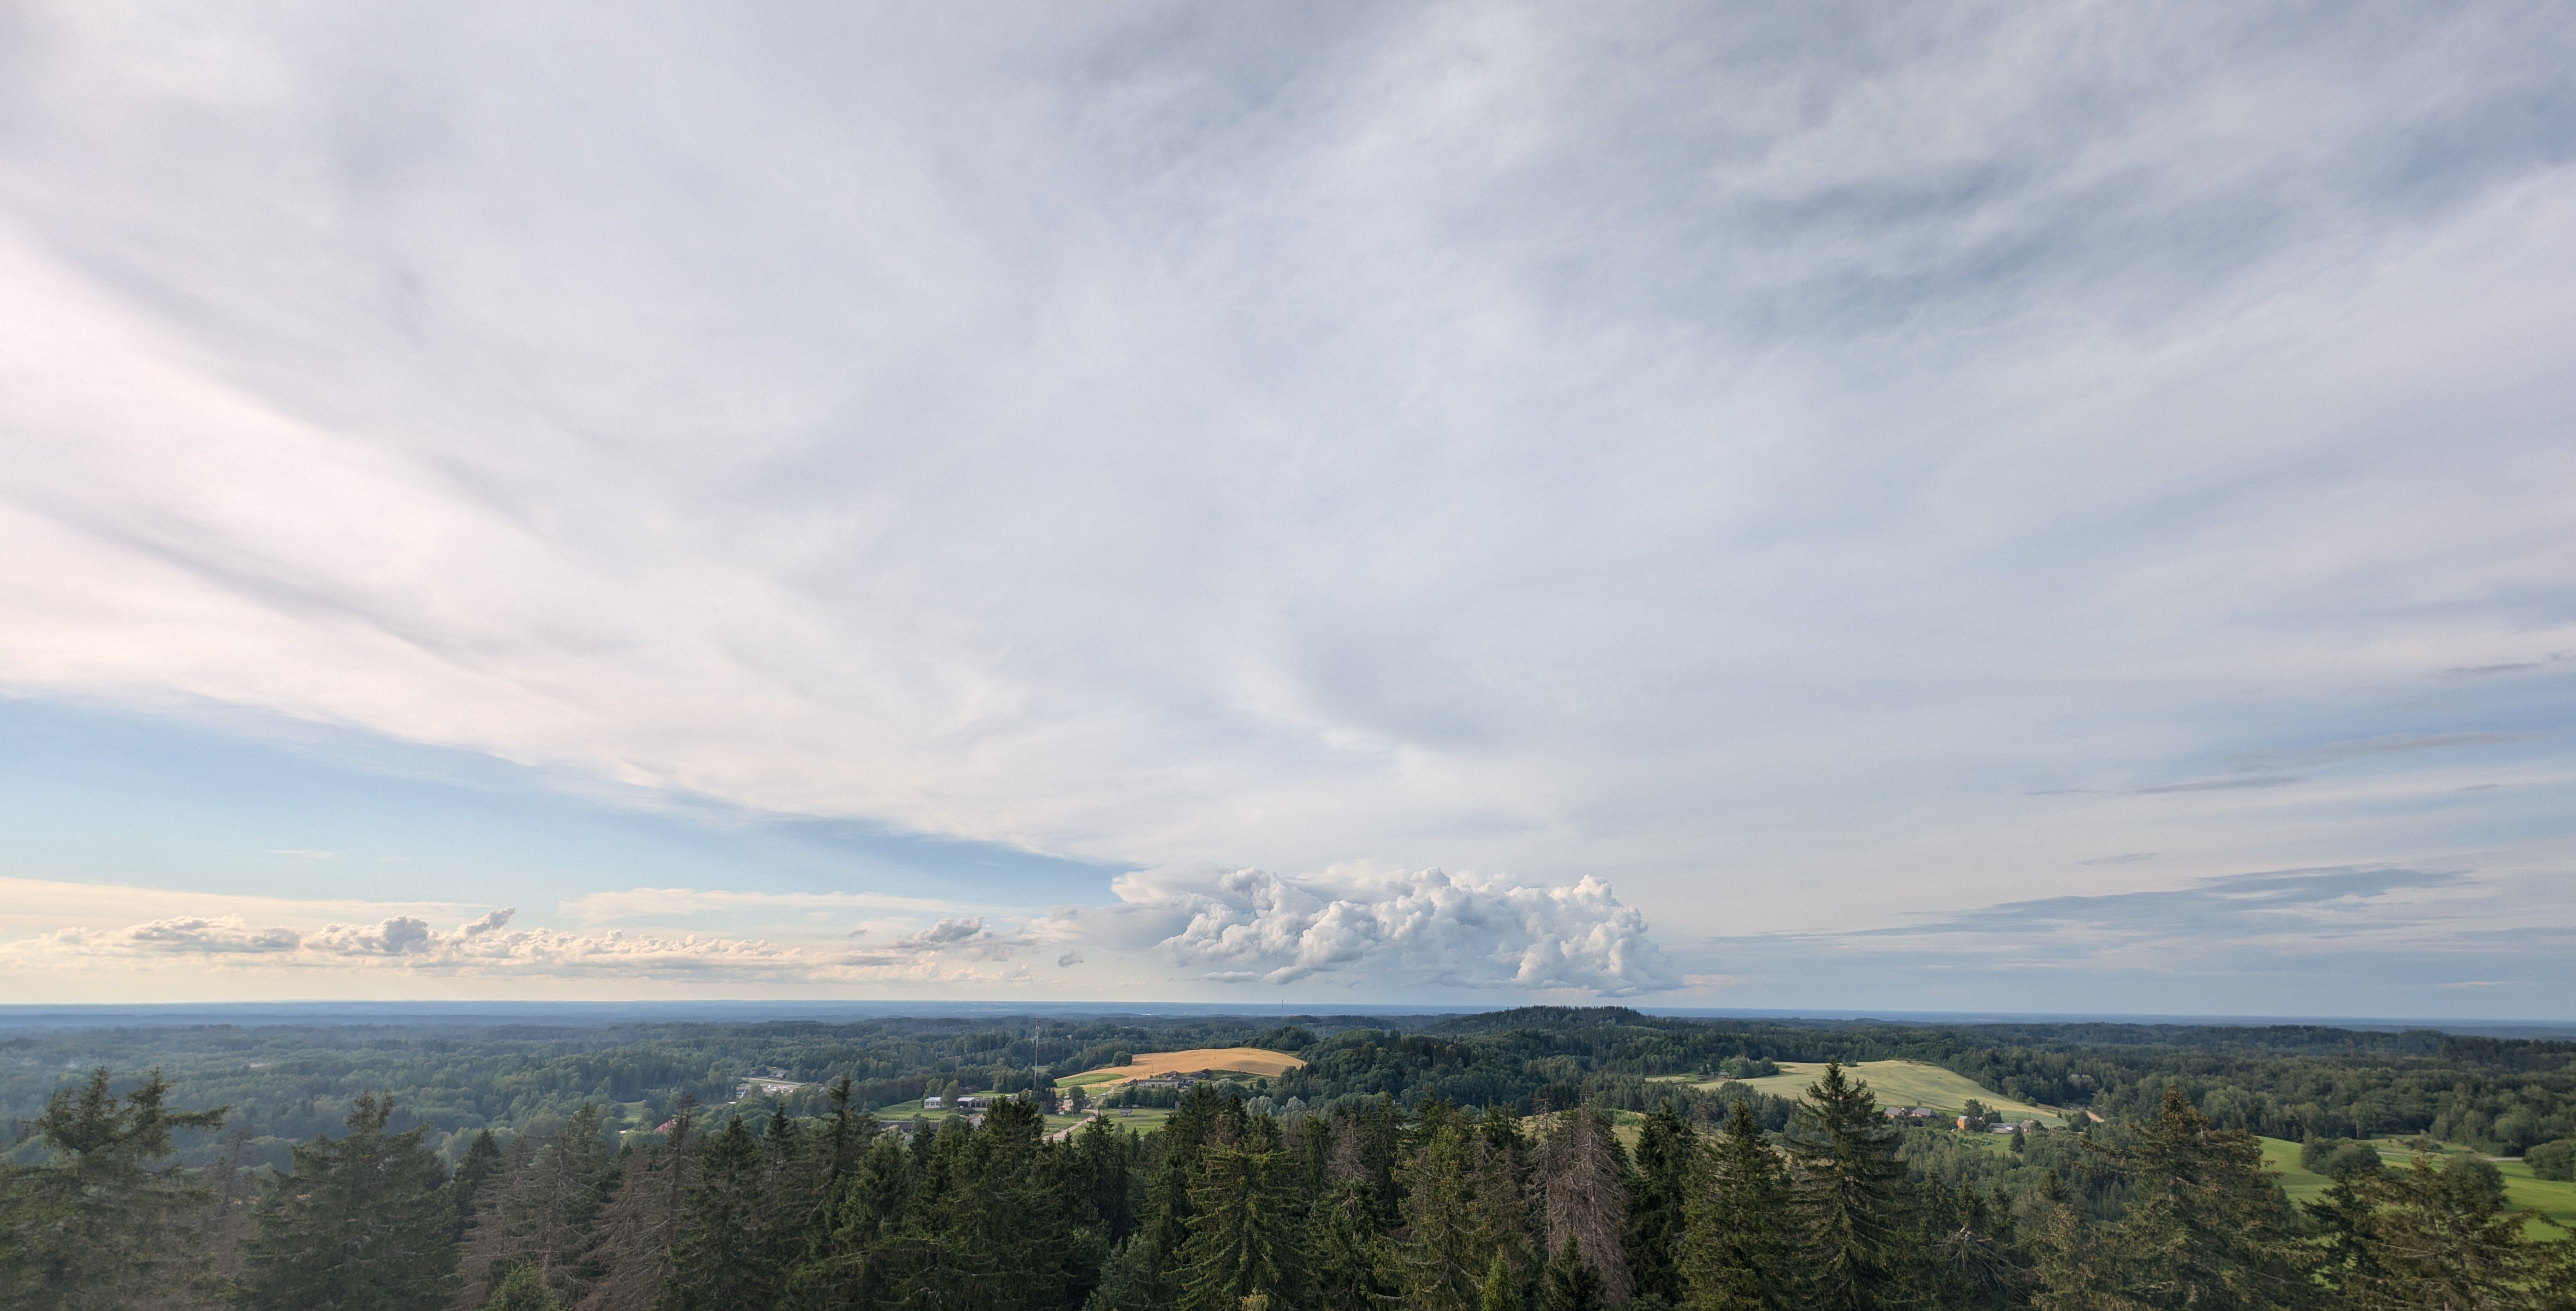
x=364 y=1223
x=2207 y=1227
x=95 y=1226
x=1584 y=1192
x=1569 y=1282
x=1853 y=1231
x=1738 y=1256
x=1667 y=1149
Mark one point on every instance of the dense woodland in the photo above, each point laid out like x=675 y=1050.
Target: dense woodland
x=1464 y=1162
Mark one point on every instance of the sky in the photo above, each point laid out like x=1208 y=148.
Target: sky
x=1985 y=506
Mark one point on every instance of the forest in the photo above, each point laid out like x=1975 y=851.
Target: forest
x=1541 y=1158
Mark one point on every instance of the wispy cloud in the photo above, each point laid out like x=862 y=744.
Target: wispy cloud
x=2224 y=784
x=488 y=947
x=1728 y=452
x=2387 y=745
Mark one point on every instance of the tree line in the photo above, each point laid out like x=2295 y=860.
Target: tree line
x=288 y=1083
x=1227 y=1208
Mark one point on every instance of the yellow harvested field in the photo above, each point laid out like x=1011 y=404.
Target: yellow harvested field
x=1203 y=1060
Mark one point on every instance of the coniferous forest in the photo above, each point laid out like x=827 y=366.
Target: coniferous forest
x=1542 y=1158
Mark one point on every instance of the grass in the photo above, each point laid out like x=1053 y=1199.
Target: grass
x=2550 y=1206
x=1259 y=1061
x=1898 y=1083
x=2550 y=1202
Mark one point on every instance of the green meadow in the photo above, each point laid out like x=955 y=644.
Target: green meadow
x=1897 y=1083
x=2550 y=1205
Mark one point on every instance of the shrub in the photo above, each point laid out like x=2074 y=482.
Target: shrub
x=2553 y=1160
x=2337 y=1157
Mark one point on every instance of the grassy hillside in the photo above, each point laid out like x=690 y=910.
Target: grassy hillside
x=1899 y=1083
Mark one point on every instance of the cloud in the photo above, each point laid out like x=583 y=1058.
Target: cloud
x=2488 y=671
x=2231 y=905
x=190 y=936
x=1405 y=928
x=1727 y=452
x=2219 y=923
x=967 y=938
x=2129 y=859
x=653 y=903
x=2387 y=745
x=487 y=946
x=2224 y=784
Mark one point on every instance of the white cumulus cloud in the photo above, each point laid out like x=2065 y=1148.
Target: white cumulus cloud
x=1424 y=927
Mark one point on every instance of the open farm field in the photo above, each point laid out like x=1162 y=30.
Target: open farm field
x=1897 y=1083
x=1259 y=1061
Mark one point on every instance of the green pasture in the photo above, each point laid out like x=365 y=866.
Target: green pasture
x=1897 y=1083
x=2550 y=1205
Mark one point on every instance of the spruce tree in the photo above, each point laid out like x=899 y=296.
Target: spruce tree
x=523 y=1289
x=791 y=1193
x=1739 y=1253
x=95 y=1225
x=364 y=1223
x=1341 y=1247
x=481 y=1161
x=642 y=1221
x=1583 y=1193
x=1667 y=1150
x=538 y=1208
x=2207 y=1227
x=988 y=1225
x=1569 y=1282
x=1243 y=1234
x=2432 y=1238
x=1502 y=1291
x=1853 y=1232
x=719 y=1261
x=1970 y=1248
x=865 y=1209
x=1451 y=1232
